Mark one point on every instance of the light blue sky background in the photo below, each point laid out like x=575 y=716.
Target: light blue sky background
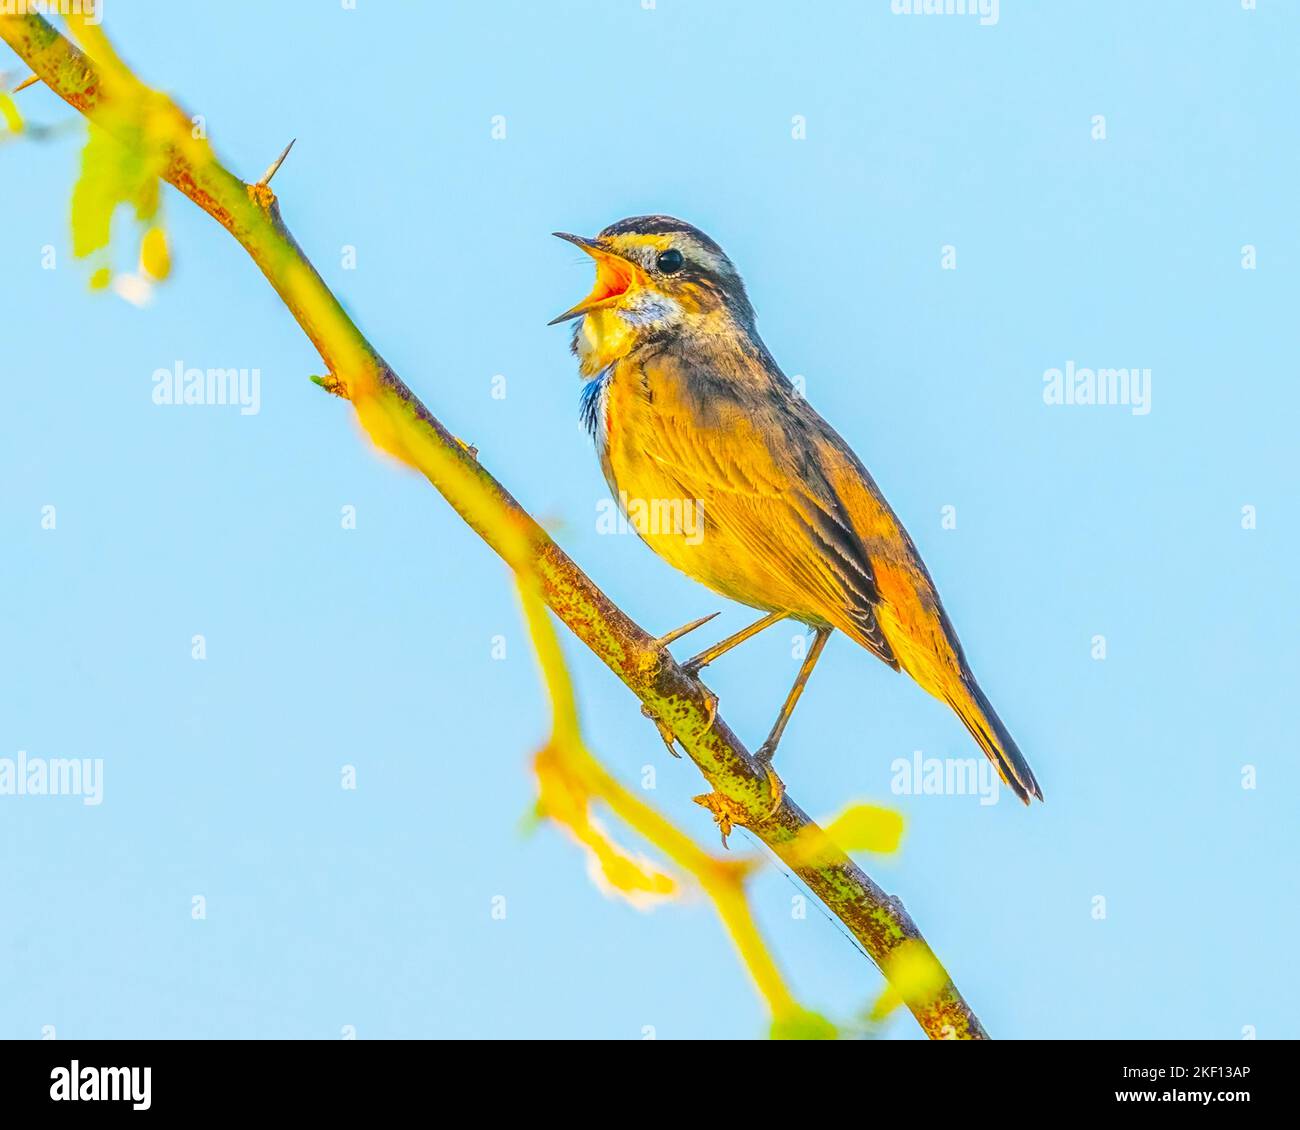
x=372 y=647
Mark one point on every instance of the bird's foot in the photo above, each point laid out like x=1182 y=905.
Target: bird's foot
x=764 y=755
x=710 y=705
x=775 y=784
x=665 y=731
x=693 y=667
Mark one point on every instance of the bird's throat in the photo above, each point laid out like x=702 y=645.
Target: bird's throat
x=603 y=337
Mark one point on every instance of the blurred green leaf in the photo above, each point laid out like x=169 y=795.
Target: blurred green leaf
x=915 y=978
x=867 y=827
x=155 y=258
x=113 y=173
x=803 y=1025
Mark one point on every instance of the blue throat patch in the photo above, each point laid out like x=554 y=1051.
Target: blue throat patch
x=589 y=403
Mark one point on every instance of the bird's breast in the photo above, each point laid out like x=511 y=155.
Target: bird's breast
x=624 y=427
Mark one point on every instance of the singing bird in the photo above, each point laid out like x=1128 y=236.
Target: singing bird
x=693 y=418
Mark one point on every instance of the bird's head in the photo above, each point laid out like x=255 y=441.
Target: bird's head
x=655 y=277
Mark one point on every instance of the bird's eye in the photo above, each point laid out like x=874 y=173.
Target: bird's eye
x=669 y=261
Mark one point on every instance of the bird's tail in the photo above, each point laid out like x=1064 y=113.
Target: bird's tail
x=979 y=717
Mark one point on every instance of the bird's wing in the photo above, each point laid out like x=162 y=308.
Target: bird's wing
x=759 y=479
x=791 y=490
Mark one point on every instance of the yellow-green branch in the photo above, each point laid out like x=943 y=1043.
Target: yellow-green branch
x=566 y=757
x=111 y=97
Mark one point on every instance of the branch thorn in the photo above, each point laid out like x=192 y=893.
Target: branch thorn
x=275 y=166
x=677 y=633
x=31 y=80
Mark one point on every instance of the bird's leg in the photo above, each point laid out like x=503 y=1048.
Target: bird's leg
x=697 y=663
x=767 y=750
x=694 y=665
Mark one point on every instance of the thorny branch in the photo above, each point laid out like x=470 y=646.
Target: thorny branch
x=742 y=793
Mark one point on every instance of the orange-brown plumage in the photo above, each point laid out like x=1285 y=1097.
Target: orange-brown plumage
x=686 y=404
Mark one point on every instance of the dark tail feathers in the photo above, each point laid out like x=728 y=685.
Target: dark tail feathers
x=987 y=729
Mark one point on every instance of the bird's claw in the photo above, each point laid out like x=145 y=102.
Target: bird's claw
x=764 y=755
x=775 y=784
x=711 y=705
x=665 y=731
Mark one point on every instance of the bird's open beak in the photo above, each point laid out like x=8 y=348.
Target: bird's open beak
x=614 y=276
